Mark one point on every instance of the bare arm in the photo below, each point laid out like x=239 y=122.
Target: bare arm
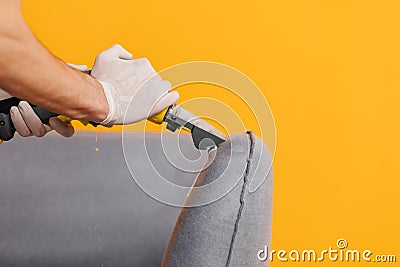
x=29 y=71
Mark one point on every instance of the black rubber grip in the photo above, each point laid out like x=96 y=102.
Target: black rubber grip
x=7 y=129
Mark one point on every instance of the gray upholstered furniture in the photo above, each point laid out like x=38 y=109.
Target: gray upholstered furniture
x=63 y=204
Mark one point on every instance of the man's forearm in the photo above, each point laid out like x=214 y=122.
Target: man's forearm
x=29 y=71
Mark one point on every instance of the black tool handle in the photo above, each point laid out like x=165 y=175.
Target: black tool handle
x=7 y=129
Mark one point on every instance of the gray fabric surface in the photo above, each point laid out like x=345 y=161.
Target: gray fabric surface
x=230 y=231
x=63 y=204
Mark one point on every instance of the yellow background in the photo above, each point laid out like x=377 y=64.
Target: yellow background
x=330 y=71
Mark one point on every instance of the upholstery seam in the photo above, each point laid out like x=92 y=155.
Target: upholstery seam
x=241 y=199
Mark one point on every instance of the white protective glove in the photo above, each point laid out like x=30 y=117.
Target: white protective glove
x=133 y=89
x=27 y=123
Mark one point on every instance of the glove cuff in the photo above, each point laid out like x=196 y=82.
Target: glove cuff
x=108 y=91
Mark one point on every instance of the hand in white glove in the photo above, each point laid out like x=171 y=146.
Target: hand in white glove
x=27 y=123
x=133 y=89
